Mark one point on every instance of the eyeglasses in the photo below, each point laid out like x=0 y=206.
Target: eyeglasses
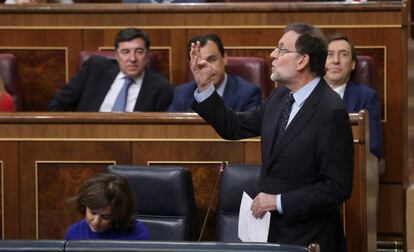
x=281 y=51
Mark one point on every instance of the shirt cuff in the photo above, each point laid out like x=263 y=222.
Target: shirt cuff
x=279 y=203
x=201 y=96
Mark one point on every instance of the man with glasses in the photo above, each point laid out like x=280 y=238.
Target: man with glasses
x=306 y=141
x=124 y=84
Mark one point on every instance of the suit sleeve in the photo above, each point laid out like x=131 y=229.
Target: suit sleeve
x=156 y=93
x=172 y=106
x=229 y=124
x=254 y=98
x=375 y=136
x=68 y=97
x=335 y=155
x=164 y=97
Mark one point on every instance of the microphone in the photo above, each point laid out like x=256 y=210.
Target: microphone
x=222 y=167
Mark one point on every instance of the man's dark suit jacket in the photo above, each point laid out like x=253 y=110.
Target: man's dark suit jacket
x=311 y=165
x=357 y=97
x=87 y=89
x=239 y=95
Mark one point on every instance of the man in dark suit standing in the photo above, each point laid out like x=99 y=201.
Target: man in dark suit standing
x=238 y=94
x=124 y=84
x=340 y=63
x=306 y=141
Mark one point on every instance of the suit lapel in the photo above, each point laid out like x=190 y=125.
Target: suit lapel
x=229 y=92
x=105 y=83
x=276 y=106
x=350 y=96
x=144 y=93
x=299 y=122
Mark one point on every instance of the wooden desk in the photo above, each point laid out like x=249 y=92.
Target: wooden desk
x=44 y=157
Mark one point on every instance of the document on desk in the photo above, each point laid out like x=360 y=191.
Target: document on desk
x=252 y=229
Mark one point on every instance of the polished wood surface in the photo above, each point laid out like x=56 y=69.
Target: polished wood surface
x=46 y=156
x=48 y=39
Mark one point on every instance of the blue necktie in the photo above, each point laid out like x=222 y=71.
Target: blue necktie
x=284 y=116
x=121 y=99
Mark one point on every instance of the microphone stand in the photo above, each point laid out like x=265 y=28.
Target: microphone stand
x=222 y=167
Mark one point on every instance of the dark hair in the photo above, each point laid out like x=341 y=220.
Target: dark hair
x=108 y=189
x=311 y=42
x=339 y=36
x=129 y=34
x=203 y=38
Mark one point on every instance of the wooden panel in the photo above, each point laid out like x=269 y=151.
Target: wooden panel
x=252 y=152
x=410 y=218
x=56 y=184
x=391 y=212
x=44 y=57
x=36 y=153
x=10 y=190
x=42 y=71
x=383 y=13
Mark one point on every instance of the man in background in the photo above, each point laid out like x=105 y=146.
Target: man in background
x=124 y=84
x=237 y=93
x=340 y=63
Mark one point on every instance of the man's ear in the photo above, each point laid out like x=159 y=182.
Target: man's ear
x=303 y=61
x=225 y=59
x=353 y=65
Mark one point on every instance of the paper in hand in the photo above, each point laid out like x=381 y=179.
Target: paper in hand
x=251 y=229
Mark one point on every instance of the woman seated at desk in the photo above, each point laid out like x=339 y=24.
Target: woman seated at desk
x=106 y=200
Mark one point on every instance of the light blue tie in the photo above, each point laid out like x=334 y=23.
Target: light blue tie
x=121 y=100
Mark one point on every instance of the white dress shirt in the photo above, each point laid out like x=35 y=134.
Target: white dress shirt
x=339 y=90
x=113 y=92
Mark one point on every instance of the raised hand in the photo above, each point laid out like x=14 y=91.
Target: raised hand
x=202 y=70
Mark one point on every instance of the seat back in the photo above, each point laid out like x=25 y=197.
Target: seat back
x=10 y=74
x=165 y=200
x=263 y=1
x=32 y=245
x=235 y=179
x=85 y=55
x=365 y=71
x=160 y=246
x=253 y=69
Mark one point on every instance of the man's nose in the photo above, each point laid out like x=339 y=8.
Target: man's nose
x=274 y=54
x=132 y=57
x=335 y=58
